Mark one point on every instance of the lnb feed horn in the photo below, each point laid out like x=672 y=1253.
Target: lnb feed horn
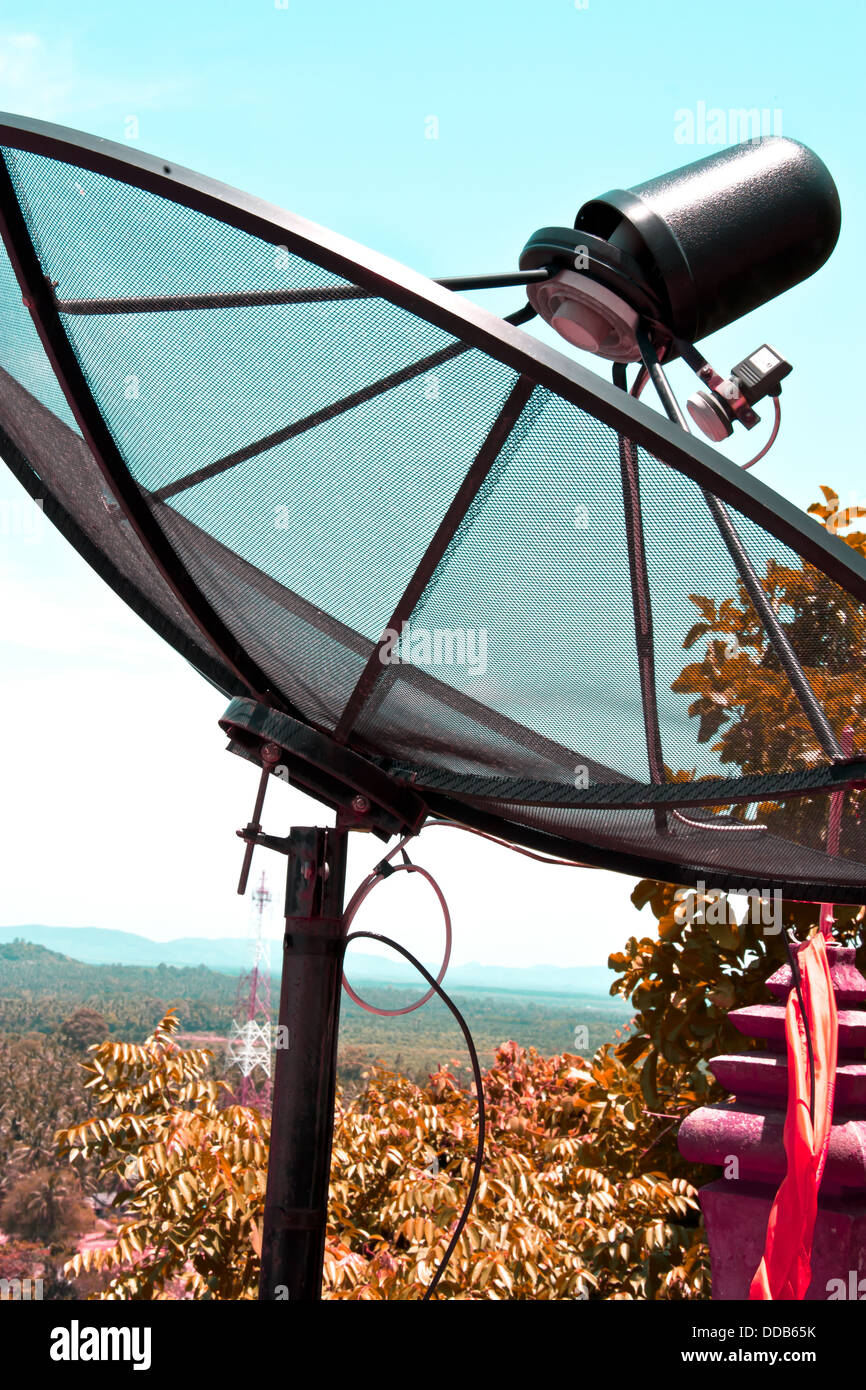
x=706 y=244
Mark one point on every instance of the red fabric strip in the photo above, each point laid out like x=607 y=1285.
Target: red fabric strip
x=785 y=1270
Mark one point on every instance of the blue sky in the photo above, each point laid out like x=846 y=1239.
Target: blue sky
x=327 y=109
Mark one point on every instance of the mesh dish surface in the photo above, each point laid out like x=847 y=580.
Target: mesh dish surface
x=335 y=486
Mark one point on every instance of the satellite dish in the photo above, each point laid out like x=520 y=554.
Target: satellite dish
x=281 y=448
x=439 y=568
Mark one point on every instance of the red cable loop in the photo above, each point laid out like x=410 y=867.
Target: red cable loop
x=643 y=377
x=777 y=407
x=369 y=883
x=359 y=897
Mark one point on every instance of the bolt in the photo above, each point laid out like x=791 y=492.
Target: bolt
x=271 y=752
x=360 y=804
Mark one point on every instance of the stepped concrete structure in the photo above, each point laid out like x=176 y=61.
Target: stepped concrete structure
x=745 y=1136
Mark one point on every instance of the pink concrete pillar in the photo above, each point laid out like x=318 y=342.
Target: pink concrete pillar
x=744 y=1135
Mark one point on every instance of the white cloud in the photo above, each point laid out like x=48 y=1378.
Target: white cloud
x=49 y=80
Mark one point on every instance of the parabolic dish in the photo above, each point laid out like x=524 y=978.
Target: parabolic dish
x=278 y=447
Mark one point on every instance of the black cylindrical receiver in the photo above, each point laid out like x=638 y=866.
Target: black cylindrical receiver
x=726 y=234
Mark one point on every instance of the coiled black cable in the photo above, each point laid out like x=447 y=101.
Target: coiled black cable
x=479 y=1091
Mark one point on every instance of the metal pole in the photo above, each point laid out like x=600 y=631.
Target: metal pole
x=302 y=1121
x=254 y=299
x=778 y=638
x=641 y=601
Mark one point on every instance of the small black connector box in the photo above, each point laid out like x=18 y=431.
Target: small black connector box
x=761 y=373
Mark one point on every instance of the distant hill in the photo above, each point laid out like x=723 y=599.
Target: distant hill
x=26 y=952
x=101 y=946
x=229 y=955
x=40 y=989
x=76 y=1002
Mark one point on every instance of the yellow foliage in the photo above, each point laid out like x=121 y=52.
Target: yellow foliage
x=191 y=1175
x=569 y=1205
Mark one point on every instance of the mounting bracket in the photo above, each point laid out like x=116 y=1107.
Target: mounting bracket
x=363 y=796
